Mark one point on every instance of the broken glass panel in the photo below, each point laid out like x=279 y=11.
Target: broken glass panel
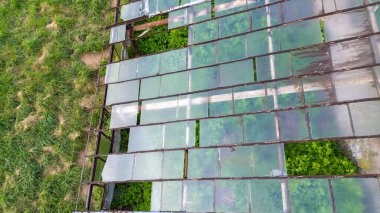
x=236 y=73
x=221 y=131
x=250 y=98
x=234 y=24
x=310 y=195
x=122 y=92
x=223 y=7
x=150 y=87
x=174 y=60
x=144 y=138
x=293 y=125
x=237 y=162
x=118 y=168
x=204 y=78
x=148 y=166
x=179 y=135
x=267 y=196
x=171 y=196
x=232 y=196
x=300 y=34
x=204 y=31
x=366 y=117
x=293 y=10
x=346 y=25
x=318 y=89
x=159 y=110
x=221 y=102
x=124 y=115
x=312 y=60
x=173 y=164
x=175 y=83
x=203 y=55
x=148 y=65
x=259 y=128
x=331 y=121
x=127 y=70
x=282 y=66
x=260 y=17
x=231 y=49
x=289 y=93
x=202 y=163
x=198 y=196
x=364 y=193
x=355 y=85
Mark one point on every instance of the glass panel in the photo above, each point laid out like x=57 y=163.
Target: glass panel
x=237 y=162
x=178 y=18
x=377 y=73
x=179 y=135
x=144 y=138
x=234 y=24
x=173 y=165
x=356 y=194
x=193 y=106
x=174 y=60
x=131 y=11
x=205 y=31
x=259 y=128
x=118 y=168
x=256 y=3
x=329 y=6
x=271 y=92
x=166 y=4
x=260 y=17
x=155 y=198
x=152 y=5
x=117 y=34
x=282 y=66
x=311 y=60
x=112 y=73
x=374 y=15
x=355 y=85
x=232 y=196
x=175 y=83
x=221 y=102
x=344 y=4
x=366 y=117
x=250 y=98
x=356 y=53
x=122 y=92
x=231 y=49
x=203 y=79
x=332 y=121
x=375 y=42
x=318 y=89
x=310 y=195
x=346 y=25
x=171 y=196
x=127 y=70
x=300 y=34
x=148 y=166
x=266 y=160
x=159 y=110
x=266 y=196
x=289 y=93
x=200 y=12
x=293 y=125
x=258 y=43
x=124 y=115
x=236 y=73
x=198 y=196
x=148 y=65
x=150 y=87
x=295 y=9
x=202 y=163
x=203 y=55
x=221 y=131
x=223 y=7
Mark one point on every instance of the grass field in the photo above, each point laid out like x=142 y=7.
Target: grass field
x=46 y=92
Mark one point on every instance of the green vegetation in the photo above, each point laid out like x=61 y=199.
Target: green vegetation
x=134 y=196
